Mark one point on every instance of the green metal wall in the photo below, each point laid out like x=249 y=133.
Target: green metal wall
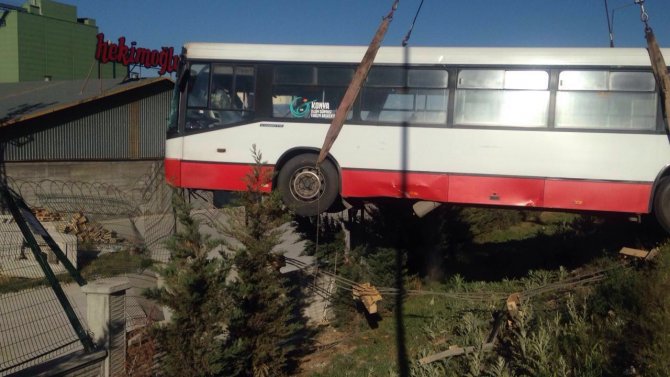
x=48 y=41
x=9 y=45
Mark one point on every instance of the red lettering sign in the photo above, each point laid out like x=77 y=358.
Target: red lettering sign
x=107 y=52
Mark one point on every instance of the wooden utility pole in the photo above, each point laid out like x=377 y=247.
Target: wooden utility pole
x=658 y=65
x=660 y=72
x=355 y=85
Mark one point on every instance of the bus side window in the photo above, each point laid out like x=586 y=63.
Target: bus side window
x=242 y=93
x=222 y=87
x=309 y=92
x=496 y=97
x=197 y=98
x=398 y=95
x=198 y=85
x=229 y=99
x=606 y=100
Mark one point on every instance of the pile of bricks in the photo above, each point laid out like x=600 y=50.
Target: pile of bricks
x=88 y=231
x=45 y=215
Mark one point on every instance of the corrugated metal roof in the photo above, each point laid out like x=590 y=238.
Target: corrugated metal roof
x=26 y=100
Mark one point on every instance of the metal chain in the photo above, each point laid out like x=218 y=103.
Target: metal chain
x=644 y=16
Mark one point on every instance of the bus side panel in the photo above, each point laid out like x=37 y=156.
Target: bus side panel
x=219 y=176
x=507 y=191
x=598 y=196
x=172 y=163
x=367 y=183
x=173 y=172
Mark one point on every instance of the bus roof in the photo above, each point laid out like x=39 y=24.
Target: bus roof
x=500 y=56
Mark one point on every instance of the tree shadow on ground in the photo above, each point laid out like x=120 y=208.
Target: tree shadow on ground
x=586 y=240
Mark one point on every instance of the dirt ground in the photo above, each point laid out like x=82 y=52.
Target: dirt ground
x=328 y=343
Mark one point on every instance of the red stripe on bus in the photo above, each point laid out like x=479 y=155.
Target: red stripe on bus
x=365 y=183
x=462 y=189
x=520 y=192
x=217 y=176
x=505 y=191
x=598 y=196
x=173 y=171
x=444 y=188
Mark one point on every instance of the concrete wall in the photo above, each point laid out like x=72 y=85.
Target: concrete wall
x=104 y=188
x=125 y=175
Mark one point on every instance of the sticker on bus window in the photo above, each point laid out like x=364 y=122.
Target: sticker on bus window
x=322 y=110
x=302 y=107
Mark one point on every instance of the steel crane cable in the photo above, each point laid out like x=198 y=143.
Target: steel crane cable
x=405 y=40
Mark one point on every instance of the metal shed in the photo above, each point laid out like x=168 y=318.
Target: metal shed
x=77 y=120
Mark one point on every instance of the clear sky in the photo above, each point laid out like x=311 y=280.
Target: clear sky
x=559 y=23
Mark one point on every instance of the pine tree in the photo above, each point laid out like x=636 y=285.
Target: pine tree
x=263 y=325
x=234 y=315
x=194 y=291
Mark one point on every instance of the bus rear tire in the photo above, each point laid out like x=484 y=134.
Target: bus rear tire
x=306 y=190
x=662 y=203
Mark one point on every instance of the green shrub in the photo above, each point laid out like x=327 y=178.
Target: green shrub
x=483 y=220
x=640 y=300
x=232 y=315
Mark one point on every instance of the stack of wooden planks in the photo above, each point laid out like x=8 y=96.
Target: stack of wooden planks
x=88 y=231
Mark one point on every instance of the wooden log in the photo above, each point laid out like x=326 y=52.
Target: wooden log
x=368 y=295
x=637 y=253
x=454 y=351
x=513 y=304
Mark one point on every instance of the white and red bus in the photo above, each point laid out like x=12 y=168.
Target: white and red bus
x=555 y=128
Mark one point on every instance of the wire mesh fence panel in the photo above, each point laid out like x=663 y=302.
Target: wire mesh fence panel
x=33 y=325
x=87 y=221
x=157 y=216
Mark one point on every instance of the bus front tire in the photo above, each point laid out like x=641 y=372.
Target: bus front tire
x=662 y=203
x=306 y=190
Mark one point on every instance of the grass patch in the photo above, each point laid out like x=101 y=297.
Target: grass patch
x=14 y=284
x=524 y=225
x=617 y=327
x=113 y=264
x=106 y=265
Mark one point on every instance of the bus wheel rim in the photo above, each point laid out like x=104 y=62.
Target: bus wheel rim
x=307 y=184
